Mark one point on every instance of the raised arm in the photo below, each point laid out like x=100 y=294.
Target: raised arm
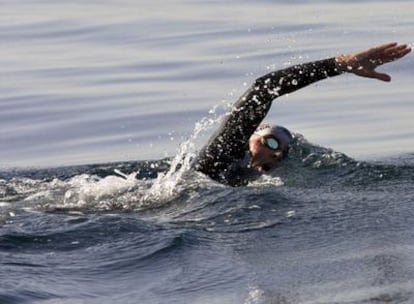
x=229 y=142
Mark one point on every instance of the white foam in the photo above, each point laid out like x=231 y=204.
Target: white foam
x=4 y=204
x=85 y=189
x=255 y=296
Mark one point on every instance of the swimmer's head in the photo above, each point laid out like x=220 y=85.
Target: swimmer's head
x=268 y=146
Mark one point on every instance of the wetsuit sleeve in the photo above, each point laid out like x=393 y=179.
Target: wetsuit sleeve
x=229 y=143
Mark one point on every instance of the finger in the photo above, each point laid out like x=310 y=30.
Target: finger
x=403 y=52
x=383 y=47
x=393 y=46
x=396 y=49
x=397 y=52
x=392 y=53
x=381 y=76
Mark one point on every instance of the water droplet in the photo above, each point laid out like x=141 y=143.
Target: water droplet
x=290 y=213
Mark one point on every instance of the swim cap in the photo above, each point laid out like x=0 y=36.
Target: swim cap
x=278 y=131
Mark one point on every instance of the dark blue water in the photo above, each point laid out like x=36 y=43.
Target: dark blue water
x=323 y=228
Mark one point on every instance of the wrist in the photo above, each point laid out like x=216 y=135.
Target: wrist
x=342 y=62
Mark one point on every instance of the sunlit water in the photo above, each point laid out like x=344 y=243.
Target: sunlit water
x=136 y=88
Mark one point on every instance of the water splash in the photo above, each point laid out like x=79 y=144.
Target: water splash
x=316 y=156
x=115 y=190
x=163 y=182
x=102 y=193
x=168 y=185
x=257 y=295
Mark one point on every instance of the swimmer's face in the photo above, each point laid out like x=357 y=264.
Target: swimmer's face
x=263 y=157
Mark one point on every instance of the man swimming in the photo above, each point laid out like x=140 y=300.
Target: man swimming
x=243 y=146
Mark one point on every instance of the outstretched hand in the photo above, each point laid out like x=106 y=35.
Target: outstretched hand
x=364 y=63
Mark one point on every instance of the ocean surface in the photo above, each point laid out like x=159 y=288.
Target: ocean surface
x=104 y=103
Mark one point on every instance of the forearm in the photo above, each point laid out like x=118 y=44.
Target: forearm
x=288 y=80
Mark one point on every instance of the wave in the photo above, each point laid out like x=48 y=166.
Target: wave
x=136 y=222
x=140 y=185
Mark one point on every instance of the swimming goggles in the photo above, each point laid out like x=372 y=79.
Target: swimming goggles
x=271 y=142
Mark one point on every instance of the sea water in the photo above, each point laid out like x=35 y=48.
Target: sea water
x=102 y=106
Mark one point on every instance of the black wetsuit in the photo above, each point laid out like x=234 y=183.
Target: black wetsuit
x=220 y=158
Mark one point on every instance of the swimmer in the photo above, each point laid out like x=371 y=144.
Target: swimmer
x=243 y=146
